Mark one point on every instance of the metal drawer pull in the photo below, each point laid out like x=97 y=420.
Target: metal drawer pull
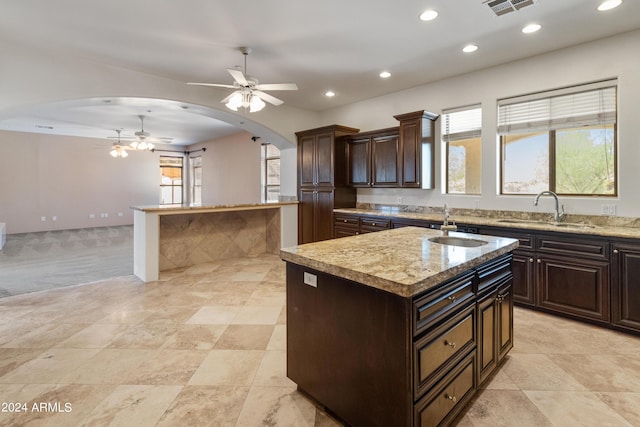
x=452 y=298
x=530 y=259
x=344 y=220
x=450 y=397
x=615 y=251
x=450 y=344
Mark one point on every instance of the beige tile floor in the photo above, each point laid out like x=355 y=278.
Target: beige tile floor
x=205 y=346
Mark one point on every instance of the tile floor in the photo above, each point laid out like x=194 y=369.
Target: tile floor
x=205 y=346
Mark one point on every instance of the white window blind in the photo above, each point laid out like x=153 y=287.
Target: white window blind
x=584 y=105
x=461 y=123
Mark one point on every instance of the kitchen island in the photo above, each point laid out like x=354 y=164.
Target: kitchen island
x=171 y=236
x=393 y=328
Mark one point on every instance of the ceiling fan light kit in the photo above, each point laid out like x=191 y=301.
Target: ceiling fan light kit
x=249 y=93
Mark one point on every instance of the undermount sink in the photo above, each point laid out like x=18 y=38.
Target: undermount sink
x=551 y=224
x=457 y=241
x=570 y=225
x=521 y=221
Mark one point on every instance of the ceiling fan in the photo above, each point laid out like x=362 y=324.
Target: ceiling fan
x=249 y=92
x=143 y=140
x=119 y=150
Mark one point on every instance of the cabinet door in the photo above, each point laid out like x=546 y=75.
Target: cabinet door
x=575 y=286
x=487 y=346
x=323 y=214
x=626 y=287
x=306 y=160
x=411 y=135
x=324 y=159
x=384 y=155
x=504 y=301
x=359 y=157
x=523 y=277
x=306 y=215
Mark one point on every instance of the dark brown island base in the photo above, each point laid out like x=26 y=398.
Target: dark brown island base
x=394 y=328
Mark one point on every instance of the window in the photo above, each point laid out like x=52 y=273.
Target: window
x=461 y=136
x=564 y=141
x=270 y=173
x=196 y=179
x=170 y=180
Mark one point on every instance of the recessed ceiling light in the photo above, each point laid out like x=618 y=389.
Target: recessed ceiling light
x=329 y=93
x=428 y=15
x=470 y=48
x=609 y=4
x=385 y=74
x=531 y=28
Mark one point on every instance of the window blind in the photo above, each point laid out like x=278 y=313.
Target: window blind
x=461 y=123
x=584 y=106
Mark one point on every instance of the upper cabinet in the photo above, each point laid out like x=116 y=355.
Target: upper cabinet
x=417 y=145
x=373 y=158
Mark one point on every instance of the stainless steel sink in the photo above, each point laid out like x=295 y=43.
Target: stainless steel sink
x=457 y=241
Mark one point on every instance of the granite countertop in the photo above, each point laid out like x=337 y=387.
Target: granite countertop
x=196 y=208
x=402 y=261
x=594 y=226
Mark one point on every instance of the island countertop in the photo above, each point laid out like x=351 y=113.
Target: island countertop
x=402 y=261
x=205 y=208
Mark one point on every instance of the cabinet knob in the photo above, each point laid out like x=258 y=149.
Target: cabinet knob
x=452 y=298
x=450 y=344
x=539 y=262
x=357 y=232
x=451 y=397
x=530 y=259
x=615 y=251
x=373 y=223
x=344 y=220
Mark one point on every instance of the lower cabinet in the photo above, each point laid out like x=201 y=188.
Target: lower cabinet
x=315 y=213
x=625 y=287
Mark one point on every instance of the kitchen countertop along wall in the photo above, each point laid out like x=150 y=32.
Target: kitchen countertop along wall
x=595 y=225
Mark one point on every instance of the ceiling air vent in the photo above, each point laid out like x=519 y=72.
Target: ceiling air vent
x=501 y=7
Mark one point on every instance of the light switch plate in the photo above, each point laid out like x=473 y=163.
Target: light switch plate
x=310 y=279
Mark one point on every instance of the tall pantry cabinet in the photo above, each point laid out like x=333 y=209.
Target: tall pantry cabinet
x=322 y=181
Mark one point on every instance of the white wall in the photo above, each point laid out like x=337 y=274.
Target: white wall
x=230 y=170
x=603 y=59
x=70 y=178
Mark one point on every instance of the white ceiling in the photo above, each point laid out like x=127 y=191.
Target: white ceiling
x=333 y=44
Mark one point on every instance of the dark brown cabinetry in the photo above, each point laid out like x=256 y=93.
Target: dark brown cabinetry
x=376 y=358
x=350 y=225
x=321 y=181
x=573 y=276
x=373 y=159
x=417 y=131
x=626 y=286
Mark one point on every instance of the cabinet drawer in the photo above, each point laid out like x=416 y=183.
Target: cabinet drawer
x=442 y=348
x=449 y=396
x=494 y=272
x=434 y=306
x=574 y=247
x=374 y=224
x=345 y=220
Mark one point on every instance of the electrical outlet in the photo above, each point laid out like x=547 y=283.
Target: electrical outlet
x=54 y=218
x=92 y=216
x=43 y=218
x=120 y=214
x=399 y=200
x=310 y=279
x=476 y=204
x=106 y=215
x=608 y=209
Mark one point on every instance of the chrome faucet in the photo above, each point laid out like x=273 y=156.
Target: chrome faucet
x=445 y=227
x=558 y=216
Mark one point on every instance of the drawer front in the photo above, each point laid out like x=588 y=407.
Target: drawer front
x=374 y=224
x=448 y=397
x=494 y=272
x=442 y=348
x=345 y=220
x=574 y=247
x=432 y=307
x=525 y=240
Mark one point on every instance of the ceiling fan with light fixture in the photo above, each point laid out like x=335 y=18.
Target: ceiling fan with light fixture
x=118 y=149
x=143 y=140
x=249 y=92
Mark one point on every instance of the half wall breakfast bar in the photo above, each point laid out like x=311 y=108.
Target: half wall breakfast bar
x=172 y=236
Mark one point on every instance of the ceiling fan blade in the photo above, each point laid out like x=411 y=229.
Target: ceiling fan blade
x=266 y=97
x=277 y=86
x=238 y=76
x=211 y=84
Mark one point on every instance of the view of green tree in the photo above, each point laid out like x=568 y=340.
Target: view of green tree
x=585 y=161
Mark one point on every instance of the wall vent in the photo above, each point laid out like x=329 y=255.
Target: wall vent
x=501 y=7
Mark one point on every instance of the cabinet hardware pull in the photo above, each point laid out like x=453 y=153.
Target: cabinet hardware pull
x=450 y=344
x=615 y=251
x=373 y=223
x=452 y=298
x=539 y=262
x=344 y=220
x=450 y=397
x=530 y=259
